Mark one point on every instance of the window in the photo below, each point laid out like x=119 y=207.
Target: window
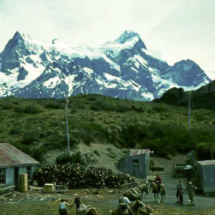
x=2 y=176
x=135 y=163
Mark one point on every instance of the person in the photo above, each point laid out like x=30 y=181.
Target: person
x=124 y=203
x=77 y=202
x=158 y=180
x=180 y=195
x=62 y=207
x=191 y=189
x=179 y=185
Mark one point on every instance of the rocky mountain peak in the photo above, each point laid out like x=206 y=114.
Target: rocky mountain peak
x=122 y=68
x=127 y=35
x=20 y=36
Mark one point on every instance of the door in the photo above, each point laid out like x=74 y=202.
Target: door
x=16 y=178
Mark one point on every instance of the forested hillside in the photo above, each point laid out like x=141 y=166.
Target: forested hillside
x=37 y=126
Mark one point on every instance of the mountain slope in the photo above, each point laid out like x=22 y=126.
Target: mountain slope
x=122 y=68
x=202 y=98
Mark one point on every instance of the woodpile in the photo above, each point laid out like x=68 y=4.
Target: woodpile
x=78 y=176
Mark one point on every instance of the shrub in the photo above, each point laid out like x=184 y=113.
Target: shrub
x=151 y=163
x=32 y=109
x=96 y=152
x=169 y=157
x=55 y=105
x=112 y=154
x=109 y=149
x=7 y=105
x=137 y=109
x=102 y=105
x=159 y=108
x=70 y=158
x=16 y=129
x=29 y=137
x=38 y=153
x=198 y=116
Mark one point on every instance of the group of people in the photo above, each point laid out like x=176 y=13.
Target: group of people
x=124 y=201
x=64 y=203
x=180 y=190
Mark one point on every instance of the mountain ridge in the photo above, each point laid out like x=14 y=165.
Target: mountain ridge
x=123 y=68
x=202 y=98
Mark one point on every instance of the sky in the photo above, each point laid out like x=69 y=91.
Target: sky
x=174 y=30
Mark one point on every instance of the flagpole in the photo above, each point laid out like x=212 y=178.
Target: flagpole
x=189 y=111
x=67 y=126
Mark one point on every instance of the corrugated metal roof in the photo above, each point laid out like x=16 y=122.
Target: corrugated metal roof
x=138 y=151
x=11 y=156
x=206 y=162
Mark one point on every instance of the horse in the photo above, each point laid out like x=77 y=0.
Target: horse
x=123 y=210
x=144 y=189
x=156 y=190
x=138 y=204
x=162 y=192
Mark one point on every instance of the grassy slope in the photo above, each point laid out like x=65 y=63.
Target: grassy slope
x=37 y=126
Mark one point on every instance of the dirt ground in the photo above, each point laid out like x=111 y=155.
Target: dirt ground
x=39 y=203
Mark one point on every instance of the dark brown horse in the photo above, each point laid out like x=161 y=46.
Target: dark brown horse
x=138 y=204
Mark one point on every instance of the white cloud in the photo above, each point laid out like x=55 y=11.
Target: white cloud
x=175 y=29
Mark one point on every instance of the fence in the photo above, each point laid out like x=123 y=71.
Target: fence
x=6 y=191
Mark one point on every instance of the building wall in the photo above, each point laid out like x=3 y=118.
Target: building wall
x=10 y=177
x=129 y=165
x=33 y=170
x=10 y=174
x=208 y=184
x=22 y=169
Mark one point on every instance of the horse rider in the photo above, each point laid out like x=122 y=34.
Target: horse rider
x=180 y=194
x=158 y=181
x=77 y=202
x=191 y=189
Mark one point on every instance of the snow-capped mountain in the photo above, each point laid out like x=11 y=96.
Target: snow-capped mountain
x=122 y=68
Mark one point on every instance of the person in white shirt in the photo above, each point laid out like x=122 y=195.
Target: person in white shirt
x=126 y=201
x=62 y=207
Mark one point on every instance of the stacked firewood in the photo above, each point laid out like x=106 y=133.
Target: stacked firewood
x=78 y=176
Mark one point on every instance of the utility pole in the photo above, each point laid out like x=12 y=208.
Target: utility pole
x=189 y=110
x=67 y=126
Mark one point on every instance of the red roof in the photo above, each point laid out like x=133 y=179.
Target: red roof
x=139 y=151
x=11 y=156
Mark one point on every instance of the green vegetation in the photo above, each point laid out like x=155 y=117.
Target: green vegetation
x=70 y=158
x=38 y=125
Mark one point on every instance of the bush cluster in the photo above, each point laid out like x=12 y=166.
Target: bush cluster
x=33 y=109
